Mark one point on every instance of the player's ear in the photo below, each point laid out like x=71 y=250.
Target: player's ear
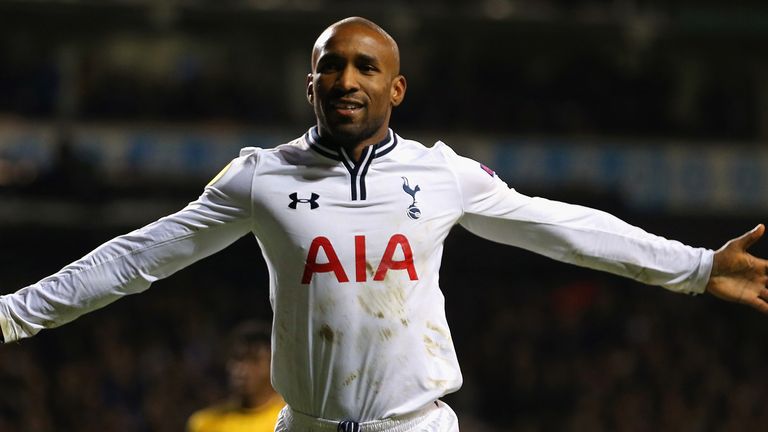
x=310 y=90
x=397 y=93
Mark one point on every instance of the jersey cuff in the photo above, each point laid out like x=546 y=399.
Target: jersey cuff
x=698 y=282
x=6 y=327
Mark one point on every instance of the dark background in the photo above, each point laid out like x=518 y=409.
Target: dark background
x=543 y=346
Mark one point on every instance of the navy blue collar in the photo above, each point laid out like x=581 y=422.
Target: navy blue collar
x=333 y=151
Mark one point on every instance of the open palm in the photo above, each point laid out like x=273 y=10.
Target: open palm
x=737 y=275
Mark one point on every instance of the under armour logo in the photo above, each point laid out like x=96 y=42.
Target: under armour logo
x=312 y=200
x=348 y=426
x=413 y=212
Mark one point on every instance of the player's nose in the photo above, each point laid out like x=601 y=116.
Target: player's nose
x=347 y=79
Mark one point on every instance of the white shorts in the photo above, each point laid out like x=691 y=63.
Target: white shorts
x=436 y=417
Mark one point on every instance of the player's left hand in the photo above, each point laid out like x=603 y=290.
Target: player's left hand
x=739 y=276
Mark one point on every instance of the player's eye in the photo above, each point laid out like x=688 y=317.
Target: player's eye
x=368 y=68
x=327 y=68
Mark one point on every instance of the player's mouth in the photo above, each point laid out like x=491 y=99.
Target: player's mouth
x=346 y=108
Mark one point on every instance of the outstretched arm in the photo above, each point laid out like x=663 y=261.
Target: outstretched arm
x=575 y=234
x=739 y=276
x=132 y=262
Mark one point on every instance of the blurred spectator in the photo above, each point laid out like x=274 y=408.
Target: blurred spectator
x=70 y=174
x=252 y=405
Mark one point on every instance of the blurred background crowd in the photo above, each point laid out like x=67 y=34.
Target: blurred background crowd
x=641 y=68
x=114 y=113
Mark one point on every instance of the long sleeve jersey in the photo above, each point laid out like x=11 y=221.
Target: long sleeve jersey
x=353 y=249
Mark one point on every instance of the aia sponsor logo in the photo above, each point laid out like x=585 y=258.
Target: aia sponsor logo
x=334 y=265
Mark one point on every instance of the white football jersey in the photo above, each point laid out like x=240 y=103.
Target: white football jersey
x=354 y=250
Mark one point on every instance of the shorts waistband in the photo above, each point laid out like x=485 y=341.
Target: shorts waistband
x=401 y=423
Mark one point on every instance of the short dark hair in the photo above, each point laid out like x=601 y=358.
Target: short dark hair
x=249 y=336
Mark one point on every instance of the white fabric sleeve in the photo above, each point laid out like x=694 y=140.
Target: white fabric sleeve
x=575 y=234
x=129 y=263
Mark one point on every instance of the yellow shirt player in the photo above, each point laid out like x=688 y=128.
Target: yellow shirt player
x=253 y=405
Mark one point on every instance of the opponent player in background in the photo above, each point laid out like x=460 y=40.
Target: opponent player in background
x=351 y=220
x=252 y=405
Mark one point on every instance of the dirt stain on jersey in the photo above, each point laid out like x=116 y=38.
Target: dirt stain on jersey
x=431 y=346
x=439 y=384
x=383 y=302
x=386 y=334
x=325 y=305
x=326 y=333
x=439 y=330
x=349 y=379
x=437 y=341
x=376 y=387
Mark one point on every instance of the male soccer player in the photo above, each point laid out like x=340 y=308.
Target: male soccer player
x=252 y=405
x=351 y=220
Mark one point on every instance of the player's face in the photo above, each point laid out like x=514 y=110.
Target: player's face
x=354 y=84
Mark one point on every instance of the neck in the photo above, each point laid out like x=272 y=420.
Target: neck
x=353 y=146
x=256 y=399
x=357 y=151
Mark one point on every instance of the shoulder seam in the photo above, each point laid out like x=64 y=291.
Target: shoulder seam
x=251 y=207
x=442 y=149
